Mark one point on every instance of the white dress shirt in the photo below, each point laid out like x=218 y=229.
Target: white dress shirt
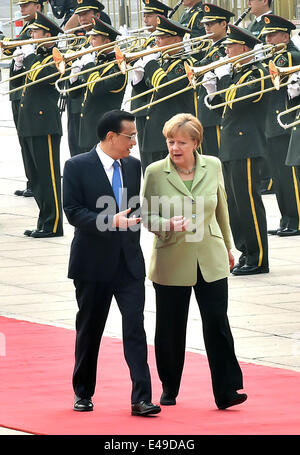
x=108 y=162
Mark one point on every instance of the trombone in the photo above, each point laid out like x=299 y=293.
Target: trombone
x=121 y=59
x=14 y=20
x=286 y=112
x=199 y=71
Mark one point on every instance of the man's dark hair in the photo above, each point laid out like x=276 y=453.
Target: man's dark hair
x=269 y=2
x=111 y=121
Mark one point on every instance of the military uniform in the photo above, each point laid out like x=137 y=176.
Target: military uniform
x=15 y=97
x=99 y=96
x=285 y=185
x=256 y=27
x=242 y=148
x=209 y=119
x=293 y=155
x=191 y=18
x=74 y=103
x=39 y=127
x=156 y=73
x=156 y=7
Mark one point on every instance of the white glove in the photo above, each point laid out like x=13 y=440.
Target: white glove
x=18 y=57
x=261 y=54
x=28 y=49
x=149 y=58
x=209 y=82
x=123 y=30
x=138 y=72
x=223 y=70
x=293 y=87
x=88 y=58
x=73 y=75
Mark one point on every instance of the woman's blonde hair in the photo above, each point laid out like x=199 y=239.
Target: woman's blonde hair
x=187 y=123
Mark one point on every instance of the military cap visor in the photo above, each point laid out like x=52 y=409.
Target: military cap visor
x=86 y=5
x=215 y=13
x=23 y=2
x=275 y=23
x=154 y=6
x=238 y=35
x=104 y=29
x=166 y=26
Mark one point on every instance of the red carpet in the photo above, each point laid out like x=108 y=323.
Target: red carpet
x=36 y=394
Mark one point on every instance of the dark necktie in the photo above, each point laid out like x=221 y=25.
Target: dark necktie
x=116 y=183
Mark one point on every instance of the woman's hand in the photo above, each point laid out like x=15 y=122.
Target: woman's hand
x=178 y=223
x=231 y=260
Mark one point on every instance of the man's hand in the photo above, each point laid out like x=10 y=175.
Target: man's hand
x=120 y=219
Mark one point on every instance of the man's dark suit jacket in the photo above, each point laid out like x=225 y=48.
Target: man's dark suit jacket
x=94 y=253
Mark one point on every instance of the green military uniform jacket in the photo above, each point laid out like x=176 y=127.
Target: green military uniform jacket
x=243 y=122
x=99 y=96
x=157 y=72
x=39 y=114
x=206 y=116
x=256 y=27
x=293 y=155
x=191 y=18
x=175 y=255
x=278 y=99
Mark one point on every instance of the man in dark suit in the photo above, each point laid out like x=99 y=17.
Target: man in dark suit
x=101 y=188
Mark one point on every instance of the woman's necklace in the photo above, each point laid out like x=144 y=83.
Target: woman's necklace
x=184 y=171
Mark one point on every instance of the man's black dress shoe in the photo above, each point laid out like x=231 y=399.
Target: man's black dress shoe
x=83 y=404
x=27 y=193
x=41 y=234
x=19 y=192
x=167 y=400
x=231 y=400
x=143 y=408
x=250 y=270
x=287 y=232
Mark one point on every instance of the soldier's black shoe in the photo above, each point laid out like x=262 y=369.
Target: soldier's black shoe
x=41 y=234
x=287 y=232
x=231 y=400
x=274 y=231
x=28 y=232
x=250 y=270
x=19 y=192
x=27 y=193
x=241 y=262
x=143 y=408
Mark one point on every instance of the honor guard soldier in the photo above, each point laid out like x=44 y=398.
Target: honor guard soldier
x=28 y=9
x=84 y=12
x=258 y=9
x=215 y=20
x=40 y=131
x=241 y=150
x=160 y=69
x=151 y=9
x=293 y=155
x=101 y=94
x=191 y=18
x=278 y=30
